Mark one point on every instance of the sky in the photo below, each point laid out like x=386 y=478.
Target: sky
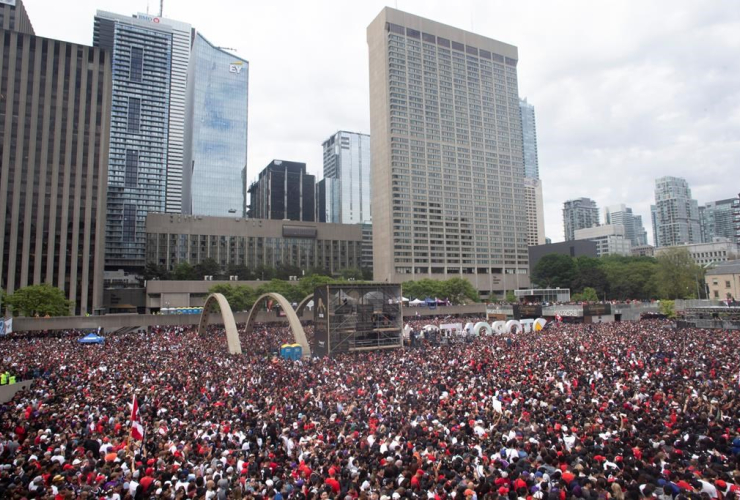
x=624 y=91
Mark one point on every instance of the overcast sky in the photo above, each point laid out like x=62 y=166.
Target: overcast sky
x=624 y=91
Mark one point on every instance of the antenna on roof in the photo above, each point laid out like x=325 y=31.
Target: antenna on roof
x=161 y=7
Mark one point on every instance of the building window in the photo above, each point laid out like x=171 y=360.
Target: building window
x=727 y=284
x=716 y=294
x=134 y=115
x=137 y=64
x=129 y=222
x=131 y=174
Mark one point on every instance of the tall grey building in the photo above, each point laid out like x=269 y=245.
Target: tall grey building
x=150 y=61
x=529 y=141
x=447 y=168
x=717 y=220
x=621 y=215
x=675 y=214
x=347 y=161
x=216 y=131
x=56 y=99
x=580 y=213
x=736 y=218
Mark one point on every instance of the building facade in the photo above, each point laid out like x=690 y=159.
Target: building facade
x=621 y=215
x=56 y=106
x=717 y=220
x=574 y=248
x=535 y=211
x=327 y=199
x=283 y=191
x=643 y=251
x=610 y=239
x=529 y=140
x=736 y=218
x=447 y=167
x=347 y=161
x=172 y=239
x=216 y=131
x=723 y=281
x=580 y=213
x=366 y=262
x=13 y=17
x=721 y=250
x=139 y=137
x=675 y=214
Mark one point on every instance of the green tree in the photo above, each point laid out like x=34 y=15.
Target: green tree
x=511 y=297
x=554 y=270
x=207 y=267
x=41 y=300
x=351 y=273
x=589 y=273
x=240 y=297
x=668 y=307
x=458 y=291
x=154 y=271
x=630 y=277
x=676 y=274
x=588 y=295
x=284 y=288
x=264 y=273
x=183 y=272
x=367 y=274
x=241 y=271
x=318 y=271
x=308 y=284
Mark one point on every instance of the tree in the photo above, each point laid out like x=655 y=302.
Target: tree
x=284 y=288
x=239 y=297
x=589 y=273
x=511 y=297
x=351 y=273
x=264 y=273
x=588 y=295
x=677 y=274
x=458 y=291
x=367 y=274
x=183 y=272
x=241 y=271
x=318 y=271
x=285 y=271
x=207 y=267
x=39 y=300
x=668 y=307
x=630 y=277
x=308 y=284
x=154 y=271
x=554 y=270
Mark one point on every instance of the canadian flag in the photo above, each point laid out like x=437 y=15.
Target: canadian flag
x=137 y=430
x=559 y=318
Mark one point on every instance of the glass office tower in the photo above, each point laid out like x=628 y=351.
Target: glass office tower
x=347 y=160
x=216 y=135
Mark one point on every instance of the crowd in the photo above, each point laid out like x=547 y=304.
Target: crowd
x=593 y=412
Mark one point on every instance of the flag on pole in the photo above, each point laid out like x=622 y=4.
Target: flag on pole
x=137 y=430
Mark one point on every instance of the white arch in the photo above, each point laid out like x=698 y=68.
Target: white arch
x=499 y=327
x=295 y=324
x=232 y=336
x=513 y=324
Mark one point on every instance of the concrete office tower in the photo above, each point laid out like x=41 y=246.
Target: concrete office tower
x=610 y=239
x=580 y=213
x=621 y=215
x=717 y=220
x=347 y=159
x=150 y=61
x=447 y=168
x=535 y=212
x=327 y=200
x=13 y=17
x=736 y=218
x=676 y=214
x=283 y=191
x=53 y=176
x=529 y=140
x=216 y=131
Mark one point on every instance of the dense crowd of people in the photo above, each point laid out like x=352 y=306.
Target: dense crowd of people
x=594 y=412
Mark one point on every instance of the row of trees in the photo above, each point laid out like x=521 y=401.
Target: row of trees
x=672 y=275
x=209 y=267
x=242 y=297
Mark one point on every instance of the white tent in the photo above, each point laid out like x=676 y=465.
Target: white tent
x=417 y=302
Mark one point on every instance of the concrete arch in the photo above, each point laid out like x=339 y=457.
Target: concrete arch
x=295 y=324
x=232 y=336
x=482 y=325
x=302 y=305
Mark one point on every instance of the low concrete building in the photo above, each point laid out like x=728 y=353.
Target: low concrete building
x=643 y=251
x=721 y=250
x=723 y=281
x=175 y=238
x=610 y=239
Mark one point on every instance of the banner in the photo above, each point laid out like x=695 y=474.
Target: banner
x=6 y=326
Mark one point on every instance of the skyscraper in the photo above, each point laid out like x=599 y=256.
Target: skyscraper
x=535 y=212
x=283 y=191
x=216 y=131
x=736 y=218
x=150 y=61
x=717 y=220
x=580 y=213
x=676 y=214
x=13 y=17
x=529 y=140
x=447 y=168
x=347 y=160
x=53 y=176
x=621 y=215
